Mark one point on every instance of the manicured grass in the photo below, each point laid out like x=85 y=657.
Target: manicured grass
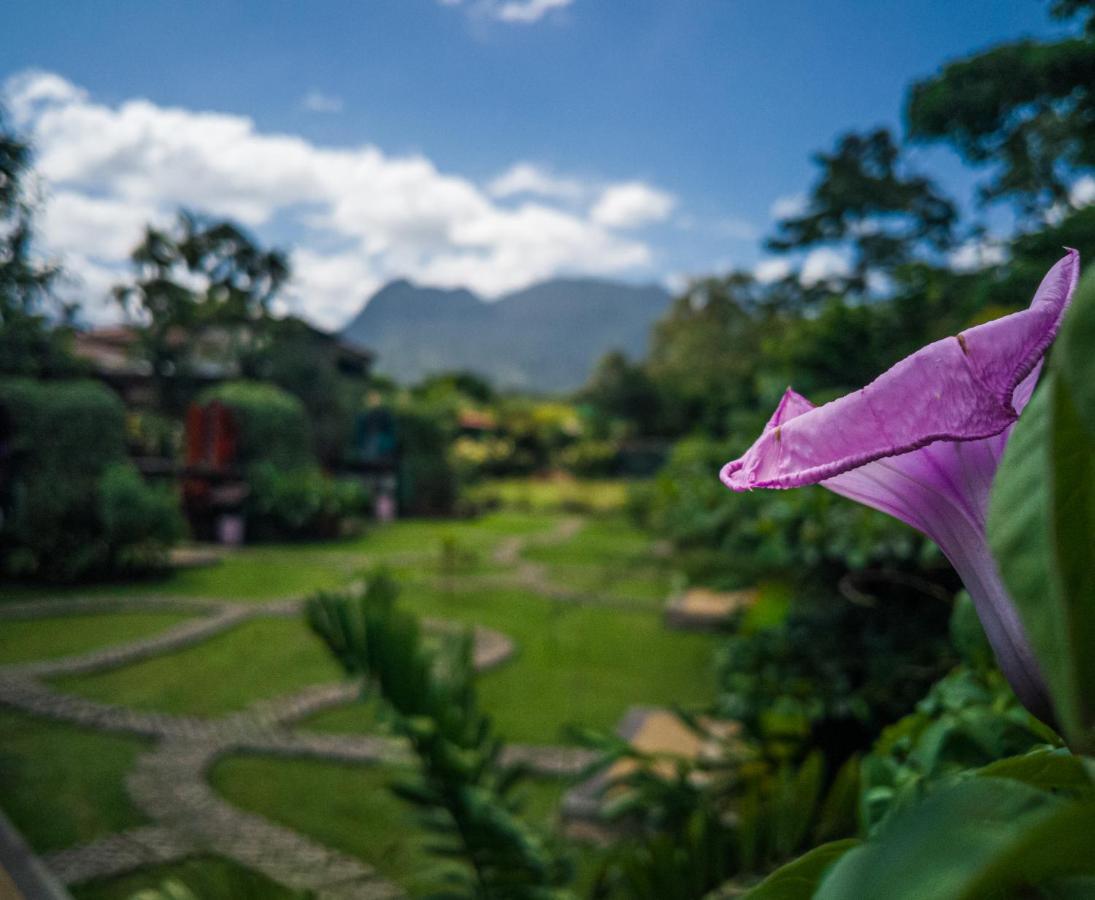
x=352 y=809
x=349 y=808
x=256 y=660
x=575 y=665
x=554 y=495
x=363 y=717
x=274 y=571
x=29 y=639
x=608 y=542
x=206 y=877
x=62 y=785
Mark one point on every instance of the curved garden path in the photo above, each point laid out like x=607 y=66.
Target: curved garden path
x=169 y=783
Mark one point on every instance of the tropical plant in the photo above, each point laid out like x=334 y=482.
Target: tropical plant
x=464 y=791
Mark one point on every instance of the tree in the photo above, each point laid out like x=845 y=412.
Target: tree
x=621 y=390
x=866 y=199
x=33 y=325
x=196 y=275
x=1025 y=108
x=704 y=352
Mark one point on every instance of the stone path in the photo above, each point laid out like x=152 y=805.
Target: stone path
x=169 y=783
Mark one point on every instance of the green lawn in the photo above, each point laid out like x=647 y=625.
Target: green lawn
x=274 y=571
x=575 y=664
x=256 y=660
x=30 y=639
x=555 y=495
x=349 y=808
x=62 y=785
x=352 y=809
x=207 y=878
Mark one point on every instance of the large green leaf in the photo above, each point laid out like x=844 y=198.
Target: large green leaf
x=947 y=846
x=1074 y=355
x=798 y=880
x=1019 y=533
x=1072 y=533
x=1042 y=520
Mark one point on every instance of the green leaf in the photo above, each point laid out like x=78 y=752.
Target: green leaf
x=799 y=879
x=1072 y=530
x=1074 y=353
x=942 y=846
x=1042 y=520
x=1040 y=531
x=1051 y=770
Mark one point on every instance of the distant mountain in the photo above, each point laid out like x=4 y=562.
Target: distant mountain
x=544 y=338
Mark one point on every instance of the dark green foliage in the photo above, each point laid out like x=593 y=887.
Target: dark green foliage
x=299 y=360
x=196 y=278
x=465 y=794
x=1026 y=108
x=75 y=506
x=140 y=521
x=865 y=198
x=738 y=538
x=835 y=672
x=301 y=503
x=34 y=336
x=622 y=391
x=427 y=483
x=725 y=817
x=273 y=427
x=703 y=354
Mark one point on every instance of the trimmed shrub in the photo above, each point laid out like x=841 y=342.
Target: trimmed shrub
x=273 y=426
x=140 y=521
x=427 y=482
x=301 y=503
x=73 y=505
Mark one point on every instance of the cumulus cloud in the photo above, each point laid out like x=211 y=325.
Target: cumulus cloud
x=527 y=178
x=357 y=216
x=822 y=265
x=974 y=255
x=631 y=205
x=788 y=207
x=775 y=268
x=319 y=102
x=1083 y=191
x=527 y=11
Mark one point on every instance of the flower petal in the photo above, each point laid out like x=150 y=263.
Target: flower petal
x=943 y=490
x=963 y=388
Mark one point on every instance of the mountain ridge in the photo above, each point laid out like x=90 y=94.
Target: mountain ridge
x=546 y=337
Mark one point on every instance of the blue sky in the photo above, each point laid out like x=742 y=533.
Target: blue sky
x=487 y=142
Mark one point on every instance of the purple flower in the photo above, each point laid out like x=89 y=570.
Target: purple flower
x=922 y=443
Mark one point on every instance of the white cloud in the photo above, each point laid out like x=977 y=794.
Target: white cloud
x=632 y=204
x=524 y=12
x=788 y=207
x=527 y=178
x=774 y=268
x=319 y=102
x=1083 y=191
x=109 y=169
x=822 y=265
x=974 y=255
x=527 y=11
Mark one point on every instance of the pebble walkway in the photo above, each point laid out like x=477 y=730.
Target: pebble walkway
x=169 y=783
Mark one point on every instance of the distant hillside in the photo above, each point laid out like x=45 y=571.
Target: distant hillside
x=545 y=338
